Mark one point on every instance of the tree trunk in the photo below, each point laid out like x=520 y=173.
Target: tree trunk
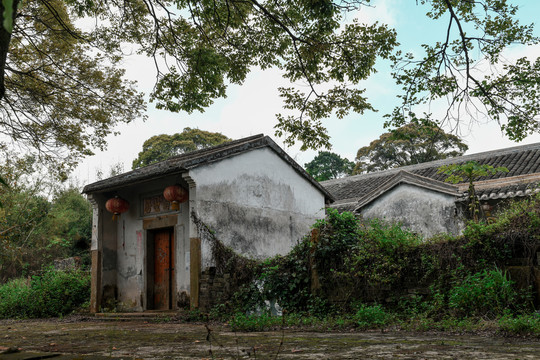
x=5 y=39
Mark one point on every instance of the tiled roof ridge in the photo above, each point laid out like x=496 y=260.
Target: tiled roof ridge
x=167 y=166
x=408 y=178
x=438 y=163
x=440 y=185
x=190 y=160
x=215 y=149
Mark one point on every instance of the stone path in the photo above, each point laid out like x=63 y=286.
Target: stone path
x=93 y=339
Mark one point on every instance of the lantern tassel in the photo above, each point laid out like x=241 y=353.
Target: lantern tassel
x=175 y=205
x=115 y=217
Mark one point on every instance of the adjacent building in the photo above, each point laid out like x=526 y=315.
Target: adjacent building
x=417 y=196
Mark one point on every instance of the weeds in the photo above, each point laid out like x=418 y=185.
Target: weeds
x=54 y=293
x=374 y=316
x=486 y=293
x=520 y=324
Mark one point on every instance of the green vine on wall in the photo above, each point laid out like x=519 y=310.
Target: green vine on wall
x=361 y=261
x=240 y=268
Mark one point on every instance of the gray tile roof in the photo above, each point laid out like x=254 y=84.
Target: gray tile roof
x=184 y=162
x=523 y=163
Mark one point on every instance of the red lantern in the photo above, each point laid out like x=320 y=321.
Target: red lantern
x=117 y=206
x=175 y=194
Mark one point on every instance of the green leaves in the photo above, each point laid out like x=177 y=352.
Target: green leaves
x=327 y=165
x=417 y=142
x=513 y=94
x=202 y=46
x=469 y=171
x=51 y=294
x=161 y=147
x=476 y=36
x=345 y=57
x=62 y=96
x=34 y=229
x=67 y=83
x=486 y=293
x=7 y=15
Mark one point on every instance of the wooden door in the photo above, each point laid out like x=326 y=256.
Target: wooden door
x=163 y=269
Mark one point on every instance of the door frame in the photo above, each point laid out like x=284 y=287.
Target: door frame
x=151 y=226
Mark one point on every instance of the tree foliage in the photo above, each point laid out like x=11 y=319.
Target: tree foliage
x=328 y=165
x=469 y=172
x=200 y=47
x=161 y=147
x=39 y=222
x=414 y=143
x=478 y=34
x=62 y=97
x=210 y=44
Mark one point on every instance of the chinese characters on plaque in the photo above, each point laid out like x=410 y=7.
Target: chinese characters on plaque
x=155 y=205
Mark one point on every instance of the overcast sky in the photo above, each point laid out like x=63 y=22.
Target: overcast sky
x=250 y=109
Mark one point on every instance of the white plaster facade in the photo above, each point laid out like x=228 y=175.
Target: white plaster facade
x=256 y=203
x=255 y=198
x=418 y=209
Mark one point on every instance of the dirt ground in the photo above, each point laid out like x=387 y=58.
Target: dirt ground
x=161 y=340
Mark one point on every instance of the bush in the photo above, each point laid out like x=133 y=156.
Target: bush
x=486 y=293
x=521 y=324
x=371 y=316
x=14 y=299
x=54 y=293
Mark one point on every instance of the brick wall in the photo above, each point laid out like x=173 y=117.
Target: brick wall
x=214 y=289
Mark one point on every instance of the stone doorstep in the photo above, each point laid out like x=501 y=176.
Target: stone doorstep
x=127 y=316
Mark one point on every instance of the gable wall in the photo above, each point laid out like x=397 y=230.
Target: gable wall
x=256 y=203
x=423 y=211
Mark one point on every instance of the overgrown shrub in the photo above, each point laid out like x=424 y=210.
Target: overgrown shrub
x=54 y=293
x=457 y=278
x=486 y=293
x=34 y=231
x=373 y=316
x=520 y=324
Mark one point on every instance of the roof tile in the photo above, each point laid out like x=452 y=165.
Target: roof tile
x=519 y=160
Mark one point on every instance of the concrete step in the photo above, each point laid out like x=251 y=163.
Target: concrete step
x=137 y=316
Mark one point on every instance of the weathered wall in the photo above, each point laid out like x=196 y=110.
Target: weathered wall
x=108 y=234
x=423 y=211
x=123 y=246
x=256 y=203
x=130 y=255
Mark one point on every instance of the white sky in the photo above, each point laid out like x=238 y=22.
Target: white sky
x=250 y=109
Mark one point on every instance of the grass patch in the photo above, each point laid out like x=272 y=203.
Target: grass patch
x=526 y=324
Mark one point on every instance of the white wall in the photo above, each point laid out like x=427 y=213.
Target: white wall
x=256 y=203
x=423 y=211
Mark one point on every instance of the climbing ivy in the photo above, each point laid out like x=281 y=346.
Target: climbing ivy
x=358 y=262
